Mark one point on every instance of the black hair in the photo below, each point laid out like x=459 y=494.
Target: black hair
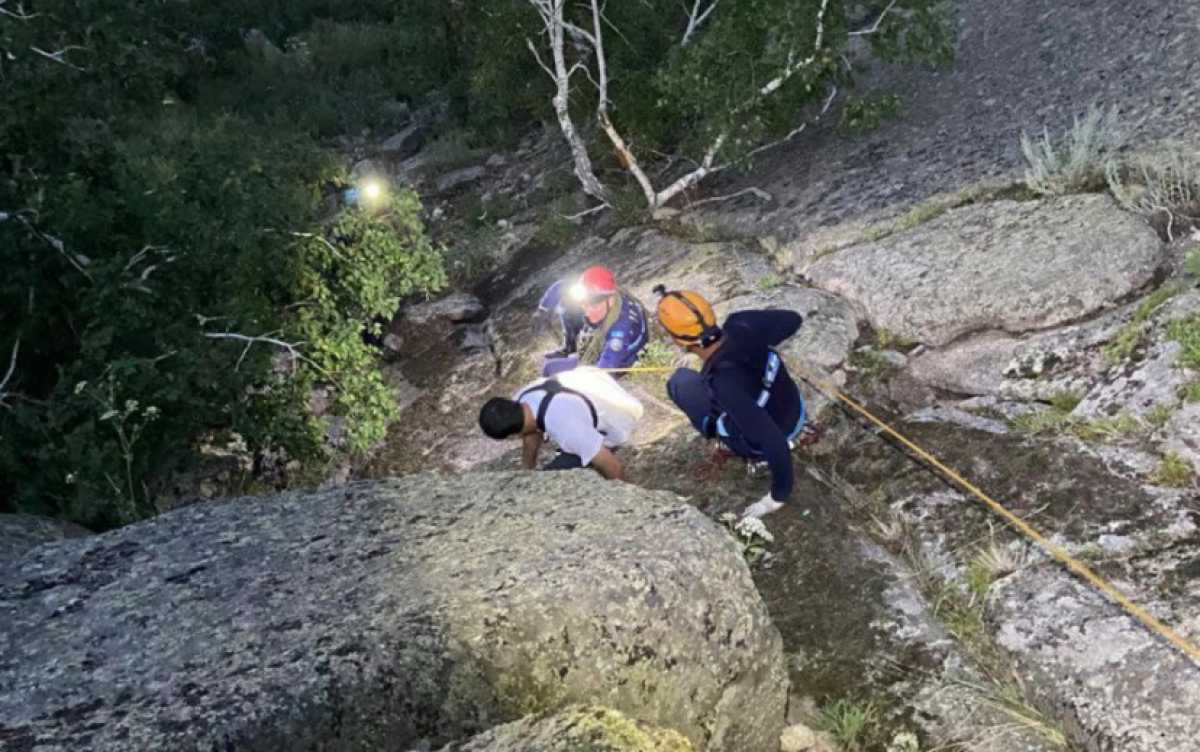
x=500 y=418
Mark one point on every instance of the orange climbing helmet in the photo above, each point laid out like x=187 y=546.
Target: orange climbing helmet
x=687 y=317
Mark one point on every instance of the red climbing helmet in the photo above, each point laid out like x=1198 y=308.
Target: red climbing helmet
x=598 y=281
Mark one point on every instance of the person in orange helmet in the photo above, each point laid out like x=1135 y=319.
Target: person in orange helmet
x=743 y=395
x=612 y=321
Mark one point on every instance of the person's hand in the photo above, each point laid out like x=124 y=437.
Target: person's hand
x=764 y=506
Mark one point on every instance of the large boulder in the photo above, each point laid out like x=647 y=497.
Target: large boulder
x=461 y=178
x=573 y=729
x=407 y=142
x=455 y=308
x=1003 y=265
x=1113 y=683
x=408 y=612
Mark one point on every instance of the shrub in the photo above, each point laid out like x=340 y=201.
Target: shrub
x=1163 y=186
x=176 y=262
x=1074 y=163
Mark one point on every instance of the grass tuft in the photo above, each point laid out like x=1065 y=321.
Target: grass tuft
x=1174 y=471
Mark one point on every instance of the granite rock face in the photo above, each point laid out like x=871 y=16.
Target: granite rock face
x=579 y=727
x=1006 y=265
x=380 y=615
x=21 y=532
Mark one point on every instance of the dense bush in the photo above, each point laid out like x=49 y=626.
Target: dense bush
x=176 y=262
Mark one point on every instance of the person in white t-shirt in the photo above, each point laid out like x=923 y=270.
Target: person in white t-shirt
x=585 y=412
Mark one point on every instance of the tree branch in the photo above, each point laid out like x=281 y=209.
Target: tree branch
x=800 y=129
x=58 y=56
x=875 y=26
x=57 y=245
x=12 y=366
x=250 y=341
x=538 y=58
x=695 y=18
x=753 y=191
x=19 y=14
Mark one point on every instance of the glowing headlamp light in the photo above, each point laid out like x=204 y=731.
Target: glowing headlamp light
x=372 y=190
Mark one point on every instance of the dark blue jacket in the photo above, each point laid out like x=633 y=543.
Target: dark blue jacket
x=735 y=376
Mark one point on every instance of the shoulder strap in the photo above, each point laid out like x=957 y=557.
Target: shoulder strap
x=551 y=387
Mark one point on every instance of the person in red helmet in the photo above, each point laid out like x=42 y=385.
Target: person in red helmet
x=611 y=321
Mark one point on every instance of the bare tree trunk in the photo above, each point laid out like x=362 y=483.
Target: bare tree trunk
x=551 y=12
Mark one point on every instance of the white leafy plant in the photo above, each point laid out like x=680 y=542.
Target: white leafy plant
x=751 y=534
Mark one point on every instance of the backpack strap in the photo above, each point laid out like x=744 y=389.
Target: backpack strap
x=552 y=387
x=714 y=424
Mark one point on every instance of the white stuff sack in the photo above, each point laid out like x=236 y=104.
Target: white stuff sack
x=618 y=410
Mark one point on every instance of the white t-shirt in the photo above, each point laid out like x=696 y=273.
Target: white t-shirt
x=569 y=421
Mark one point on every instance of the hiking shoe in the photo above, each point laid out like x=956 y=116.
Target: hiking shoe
x=810 y=435
x=762 y=507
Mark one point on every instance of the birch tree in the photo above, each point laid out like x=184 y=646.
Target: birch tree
x=728 y=79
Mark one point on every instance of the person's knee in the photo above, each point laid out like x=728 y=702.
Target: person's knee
x=681 y=385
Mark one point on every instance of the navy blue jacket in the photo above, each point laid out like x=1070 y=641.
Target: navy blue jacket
x=735 y=374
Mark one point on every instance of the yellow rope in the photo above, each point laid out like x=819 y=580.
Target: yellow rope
x=1145 y=617
x=1142 y=615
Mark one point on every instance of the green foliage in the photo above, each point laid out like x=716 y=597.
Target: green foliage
x=849 y=723
x=177 y=264
x=1042 y=422
x=1191 y=392
x=1159 y=415
x=1191 y=262
x=1187 y=333
x=658 y=354
x=1066 y=400
x=1057 y=419
x=1174 y=471
x=554 y=230
x=668 y=96
x=1133 y=335
x=866 y=114
x=889 y=340
x=1108 y=429
x=870 y=365
x=452 y=150
x=751 y=535
x=770 y=282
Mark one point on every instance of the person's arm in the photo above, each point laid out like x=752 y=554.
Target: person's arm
x=607 y=464
x=530 y=444
x=758 y=428
x=766 y=328
x=614 y=355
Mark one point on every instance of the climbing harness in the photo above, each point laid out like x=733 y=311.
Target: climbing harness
x=715 y=425
x=552 y=388
x=1140 y=614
